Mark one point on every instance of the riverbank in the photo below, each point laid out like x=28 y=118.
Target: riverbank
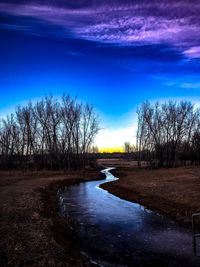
x=31 y=231
x=172 y=192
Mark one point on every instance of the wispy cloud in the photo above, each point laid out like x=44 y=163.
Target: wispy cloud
x=190 y=85
x=137 y=24
x=193 y=52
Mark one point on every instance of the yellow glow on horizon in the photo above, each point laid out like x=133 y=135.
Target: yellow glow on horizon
x=111 y=149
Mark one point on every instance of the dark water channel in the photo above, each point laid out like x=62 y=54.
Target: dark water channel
x=115 y=232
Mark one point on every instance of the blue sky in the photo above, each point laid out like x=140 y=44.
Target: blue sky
x=114 y=55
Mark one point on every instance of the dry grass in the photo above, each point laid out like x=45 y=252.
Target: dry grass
x=175 y=192
x=31 y=231
x=112 y=162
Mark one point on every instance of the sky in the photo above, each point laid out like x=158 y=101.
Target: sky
x=113 y=54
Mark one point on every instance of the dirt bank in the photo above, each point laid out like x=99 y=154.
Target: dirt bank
x=31 y=231
x=173 y=192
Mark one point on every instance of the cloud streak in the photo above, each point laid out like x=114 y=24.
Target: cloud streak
x=190 y=85
x=121 y=23
x=193 y=52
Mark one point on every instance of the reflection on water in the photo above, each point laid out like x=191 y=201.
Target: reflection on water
x=116 y=232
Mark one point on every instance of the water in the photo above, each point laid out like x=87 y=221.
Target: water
x=115 y=232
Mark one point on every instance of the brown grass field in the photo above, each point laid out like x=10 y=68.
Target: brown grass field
x=31 y=231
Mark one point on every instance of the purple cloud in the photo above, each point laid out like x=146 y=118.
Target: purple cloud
x=193 y=52
x=137 y=24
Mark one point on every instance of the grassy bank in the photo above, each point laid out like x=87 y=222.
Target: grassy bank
x=31 y=231
x=173 y=192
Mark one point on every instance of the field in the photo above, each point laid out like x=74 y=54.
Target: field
x=118 y=162
x=31 y=231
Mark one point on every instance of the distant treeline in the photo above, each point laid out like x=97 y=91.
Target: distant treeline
x=49 y=134
x=168 y=134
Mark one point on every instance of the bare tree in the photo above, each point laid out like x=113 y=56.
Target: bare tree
x=164 y=129
x=49 y=134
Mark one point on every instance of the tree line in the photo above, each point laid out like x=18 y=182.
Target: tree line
x=48 y=134
x=168 y=134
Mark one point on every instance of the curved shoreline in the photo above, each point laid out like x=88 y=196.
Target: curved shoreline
x=64 y=232
x=31 y=230
x=165 y=206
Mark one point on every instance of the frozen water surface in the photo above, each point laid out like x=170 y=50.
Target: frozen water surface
x=115 y=232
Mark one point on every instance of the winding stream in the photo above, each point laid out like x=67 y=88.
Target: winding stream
x=115 y=232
